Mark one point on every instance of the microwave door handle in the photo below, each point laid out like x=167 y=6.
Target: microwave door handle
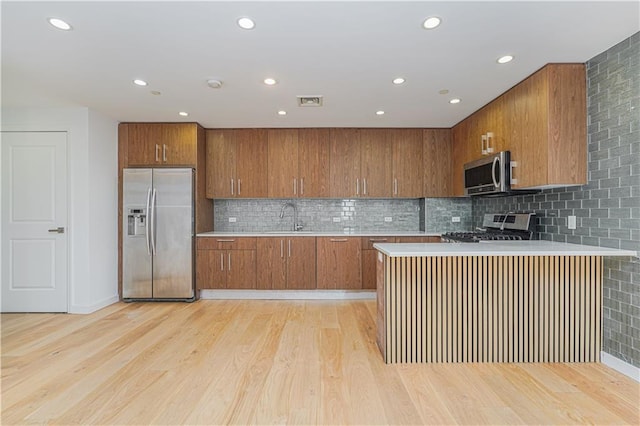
x=496 y=160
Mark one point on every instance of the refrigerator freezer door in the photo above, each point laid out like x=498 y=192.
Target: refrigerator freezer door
x=173 y=234
x=136 y=259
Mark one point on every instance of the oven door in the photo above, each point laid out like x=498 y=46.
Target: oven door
x=488 y=175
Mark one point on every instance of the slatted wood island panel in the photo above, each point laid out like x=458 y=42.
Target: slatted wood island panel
x=509 y=307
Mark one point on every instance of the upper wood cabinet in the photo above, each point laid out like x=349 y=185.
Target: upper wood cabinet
x=160 y=144
x=548 y=128
x=237 y=163
x=407 y=166
x=542 y=121
x=376 y=154
x=344 y=163
x=298 y=163
x=437 y=162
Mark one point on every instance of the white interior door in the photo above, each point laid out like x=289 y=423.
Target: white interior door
x=34 y=222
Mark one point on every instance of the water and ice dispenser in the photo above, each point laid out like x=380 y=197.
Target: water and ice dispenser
x=136 y=222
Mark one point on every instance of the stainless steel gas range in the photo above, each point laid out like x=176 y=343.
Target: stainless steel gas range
x=498 y=227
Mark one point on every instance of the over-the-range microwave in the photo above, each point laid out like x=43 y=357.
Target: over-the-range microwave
x=489 y=176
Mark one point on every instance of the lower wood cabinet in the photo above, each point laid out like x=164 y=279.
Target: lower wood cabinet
x=225 y=263
x=286 y=263
x=369 y=256
x=339 y=263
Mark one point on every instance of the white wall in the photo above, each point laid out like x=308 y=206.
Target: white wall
x=93 y=185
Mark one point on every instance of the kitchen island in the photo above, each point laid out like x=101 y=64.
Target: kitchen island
x=509 y=301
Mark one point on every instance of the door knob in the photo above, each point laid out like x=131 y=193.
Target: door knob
x=58 y=230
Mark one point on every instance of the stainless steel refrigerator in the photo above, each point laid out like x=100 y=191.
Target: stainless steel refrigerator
x=158 y=234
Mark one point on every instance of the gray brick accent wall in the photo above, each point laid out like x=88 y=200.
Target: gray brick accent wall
x=608 y=207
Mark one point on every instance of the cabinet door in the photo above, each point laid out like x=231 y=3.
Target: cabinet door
x=339 y=263
x=210 y=269
x=376 y=152
x=408 y=168
x=179 y=144
x=313 y=163
x=282 y=166
x=437 y=163
x=460 y=135
x=144 y=145
x=271 y=264
x=345 y=163
x=493 y=122
x=530 y=124
x=301 y=263
x=221 y=163
x=252 y=147
x=241 y=269
x=369 y=257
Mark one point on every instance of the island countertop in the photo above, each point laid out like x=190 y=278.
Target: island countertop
x=499 y=248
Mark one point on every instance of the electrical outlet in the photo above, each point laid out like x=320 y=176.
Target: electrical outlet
x=571 y=222
x=232 y=220
x=388 y=219
x=336 y=219
x=455 y=219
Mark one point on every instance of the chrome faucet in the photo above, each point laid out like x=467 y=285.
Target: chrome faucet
x=296 y=225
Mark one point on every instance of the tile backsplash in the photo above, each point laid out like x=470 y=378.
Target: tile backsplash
x=344 y=215
x=321 y=215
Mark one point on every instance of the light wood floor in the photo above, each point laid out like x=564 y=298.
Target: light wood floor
x=266 y=362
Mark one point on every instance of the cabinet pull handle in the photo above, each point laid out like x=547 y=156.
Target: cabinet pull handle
x=282 y=248
x=232 y=186
x=378 y=240
x=221 y=261
x=483 y=141
x=164 y=152
x=225 y=241
x=364 y=192
x=512 y=165
x=395 y=186
x=289 y=248
x=229 y=261
x=295 y=186
x=239 y=187
x=338 y=240
x=489 y=139
x=357 y=186
x=157 y=153
x=301 y=186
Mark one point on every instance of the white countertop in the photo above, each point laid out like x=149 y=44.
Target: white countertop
x=319 y=234
x=499 y=248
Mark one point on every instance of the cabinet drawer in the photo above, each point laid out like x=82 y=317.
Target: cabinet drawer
x=368 y=242
x=418 y=239
x=226 y=243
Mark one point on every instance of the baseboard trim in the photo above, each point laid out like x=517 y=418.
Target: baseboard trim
x=288 y=294
x=95 y=307
x=620 y=366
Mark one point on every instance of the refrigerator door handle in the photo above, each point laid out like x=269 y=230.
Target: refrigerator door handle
x=146 y=224
x=153 y=222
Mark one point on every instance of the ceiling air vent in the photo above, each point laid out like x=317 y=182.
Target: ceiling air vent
x=309 y=101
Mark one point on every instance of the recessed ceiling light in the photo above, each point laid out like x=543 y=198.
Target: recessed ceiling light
x=246 y=23
x=504 y=59
x=282 y=112
x=139 y=82
x=454 y=101
x=431 y=22
x=380 y=112
x=184 y=114
x=398 y=80
x=59 y=24
x=270 y=81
